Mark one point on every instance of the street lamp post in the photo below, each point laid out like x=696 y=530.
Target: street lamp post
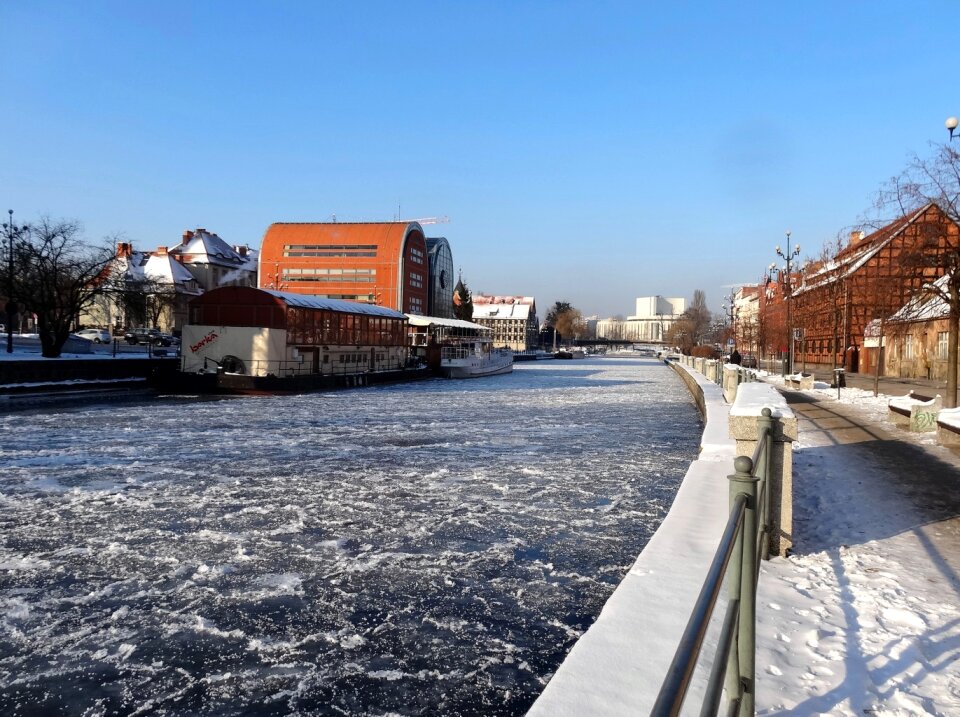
x=12 y=233
x=730 y=306
x=789 y=256
x=951 y=124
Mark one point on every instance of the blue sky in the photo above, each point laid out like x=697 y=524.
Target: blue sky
x=587 y=152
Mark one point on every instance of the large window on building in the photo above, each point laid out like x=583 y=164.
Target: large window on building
x=347 y=276
x=330 y=250
x=943 y=347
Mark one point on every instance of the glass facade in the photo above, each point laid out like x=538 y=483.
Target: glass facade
x=441 y=283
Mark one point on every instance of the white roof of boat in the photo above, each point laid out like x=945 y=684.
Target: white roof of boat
x=309 y=301
x=501 y=311
x=416 y=320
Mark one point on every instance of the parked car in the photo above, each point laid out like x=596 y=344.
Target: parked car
x=749 y=361
x=149 y=336
x=98 y=336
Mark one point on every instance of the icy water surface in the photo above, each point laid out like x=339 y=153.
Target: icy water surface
x=432 y=548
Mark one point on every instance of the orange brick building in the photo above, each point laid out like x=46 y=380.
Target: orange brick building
x=834 y=300
x=384 y=263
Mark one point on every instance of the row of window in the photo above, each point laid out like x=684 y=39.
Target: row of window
x=327 y=272
x=362 y=298
x=336 y=279
x=330 y=250
x=310 y=327
x=906 y=350
x=416 y=280
x=416 y=256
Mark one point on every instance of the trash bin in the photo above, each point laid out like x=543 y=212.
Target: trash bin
x=839 y=378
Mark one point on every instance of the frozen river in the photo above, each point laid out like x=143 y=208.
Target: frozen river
x=432 y=548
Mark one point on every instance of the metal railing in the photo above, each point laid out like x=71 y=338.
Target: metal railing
x=744 y=542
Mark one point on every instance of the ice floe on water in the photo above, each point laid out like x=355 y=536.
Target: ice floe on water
x=432 y=548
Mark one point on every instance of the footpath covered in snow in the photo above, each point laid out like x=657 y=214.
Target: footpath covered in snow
x=863 y=618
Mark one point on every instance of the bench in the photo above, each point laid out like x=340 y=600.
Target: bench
x=802 y=381
x=915 y=411
x=948 y=427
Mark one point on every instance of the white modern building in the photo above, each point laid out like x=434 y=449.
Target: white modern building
x=651 y=322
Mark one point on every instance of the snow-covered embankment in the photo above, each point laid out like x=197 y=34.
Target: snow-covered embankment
x=617 y=667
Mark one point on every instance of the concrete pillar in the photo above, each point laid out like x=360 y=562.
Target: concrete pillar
x=745 y=413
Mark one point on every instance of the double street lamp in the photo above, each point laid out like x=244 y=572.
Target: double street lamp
x=789 y=255
x=730 y=308
x=13 y=232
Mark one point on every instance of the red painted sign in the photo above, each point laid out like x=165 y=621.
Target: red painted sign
x=208 y=339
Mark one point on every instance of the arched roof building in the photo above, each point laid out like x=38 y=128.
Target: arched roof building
x=440 y=302
x=382 y=263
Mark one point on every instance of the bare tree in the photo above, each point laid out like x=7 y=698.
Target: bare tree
x=162 y=300
x=555 y=311
x=694 y=325
x=570 y=324
x=682 y=334
x=57 y=277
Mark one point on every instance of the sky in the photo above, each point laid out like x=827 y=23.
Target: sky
x=589 y=152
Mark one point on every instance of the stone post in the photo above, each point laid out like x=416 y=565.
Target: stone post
x=745 y=415
x=730 y=382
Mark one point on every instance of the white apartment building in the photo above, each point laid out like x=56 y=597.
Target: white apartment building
x=651 y=322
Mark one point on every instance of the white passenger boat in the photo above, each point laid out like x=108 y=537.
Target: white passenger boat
x=457 y=349
x=474 y=358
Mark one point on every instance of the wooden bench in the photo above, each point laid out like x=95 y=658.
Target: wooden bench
x=915 y=411
x=802 y=381
x=948 y=427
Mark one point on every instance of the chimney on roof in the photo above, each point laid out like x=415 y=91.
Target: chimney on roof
x=187 y=236
x=856 y=237
x=161 y=251
x=124 y=249
x=241 y=250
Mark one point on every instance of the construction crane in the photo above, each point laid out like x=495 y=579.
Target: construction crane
x=429 y=220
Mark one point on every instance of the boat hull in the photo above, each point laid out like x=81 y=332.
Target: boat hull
x=476 y=368
x=242 y=384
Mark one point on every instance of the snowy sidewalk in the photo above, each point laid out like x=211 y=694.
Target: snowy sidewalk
x=863 y=619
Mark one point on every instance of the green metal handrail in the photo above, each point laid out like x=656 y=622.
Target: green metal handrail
x=744 y=542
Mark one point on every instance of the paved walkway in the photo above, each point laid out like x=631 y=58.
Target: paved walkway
x=874 y=582
x=890 y=385
x=894 y=475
